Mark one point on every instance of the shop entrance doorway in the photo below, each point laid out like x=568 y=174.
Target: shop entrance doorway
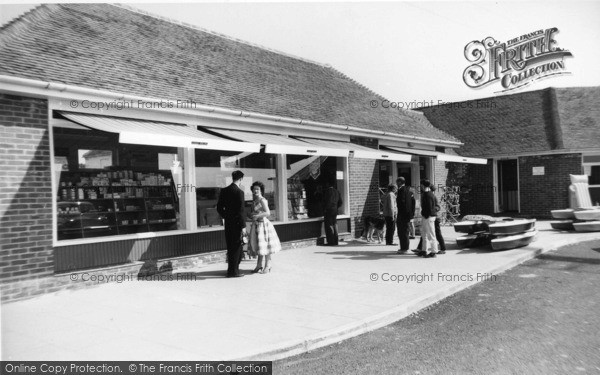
x=508 y=185
x=405 y=170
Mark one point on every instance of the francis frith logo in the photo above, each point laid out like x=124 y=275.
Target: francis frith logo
x=515 y=63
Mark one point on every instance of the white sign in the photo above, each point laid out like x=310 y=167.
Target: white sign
x=340 y=175
x=538 y=171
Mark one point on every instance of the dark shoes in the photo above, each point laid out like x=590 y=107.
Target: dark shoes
x=391 y=244
x=401 y=251
x=441 y=252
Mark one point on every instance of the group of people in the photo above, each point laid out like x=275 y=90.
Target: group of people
x=262 y=239
x=399 y=211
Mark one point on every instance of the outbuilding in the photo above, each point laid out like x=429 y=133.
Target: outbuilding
x=534 y=140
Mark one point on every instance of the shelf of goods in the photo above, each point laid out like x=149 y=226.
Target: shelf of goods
x=106 y=203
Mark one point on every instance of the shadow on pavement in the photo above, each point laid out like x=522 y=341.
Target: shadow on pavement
x=370 y=255
x=204 y=275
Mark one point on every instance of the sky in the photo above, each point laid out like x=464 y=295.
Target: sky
x=408 y=52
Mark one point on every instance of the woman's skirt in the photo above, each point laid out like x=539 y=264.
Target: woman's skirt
x=263 y=239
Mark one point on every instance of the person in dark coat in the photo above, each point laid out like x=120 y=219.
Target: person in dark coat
x=429 y=211
x=405 y=203
x=331 y=202
x=231 y=208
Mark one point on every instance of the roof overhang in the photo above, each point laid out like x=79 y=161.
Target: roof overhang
x=66 y=94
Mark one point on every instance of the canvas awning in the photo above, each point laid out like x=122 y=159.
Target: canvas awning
x=359 y=151
x=154 y=133
x=438 y=155
x=279 y=144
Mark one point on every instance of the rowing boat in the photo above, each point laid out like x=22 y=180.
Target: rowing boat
x=562 y=225
x=587 y=226
x=470 y=227
x=563 y=214
x=511 y=227
x=514 y=241
x=587 y=214
x=473 y=240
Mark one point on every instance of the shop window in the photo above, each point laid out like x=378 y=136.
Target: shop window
x=213 y=172
x=306 y=180
x=94 y=159
x=106 y=188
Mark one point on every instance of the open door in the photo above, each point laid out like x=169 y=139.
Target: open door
x=508 y=185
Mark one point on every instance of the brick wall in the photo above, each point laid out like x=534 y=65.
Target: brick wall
x=364 y=187
x=440 y=173
x=542 y=193
x=25 y=190
x=474 y=182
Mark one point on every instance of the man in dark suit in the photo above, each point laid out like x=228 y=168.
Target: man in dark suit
x=331 y=202
x=405 y=201
x=231 y=208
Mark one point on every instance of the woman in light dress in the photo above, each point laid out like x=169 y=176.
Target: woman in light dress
x=263 y=237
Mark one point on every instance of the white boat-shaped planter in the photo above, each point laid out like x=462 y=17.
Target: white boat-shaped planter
x=562 y=225
x=588 y=214
x=588 y=226
x=567 y=213
x=470 y=227
x=473 y=240
x=514 y=241
x=511 y=227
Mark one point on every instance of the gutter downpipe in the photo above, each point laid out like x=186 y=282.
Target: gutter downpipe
x=62 y=88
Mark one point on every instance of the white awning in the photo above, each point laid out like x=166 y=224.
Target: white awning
x=154 y=133
x=278 y=144
x=412 y=151
x=460 y=159
x=359 y=151
x=438 y=155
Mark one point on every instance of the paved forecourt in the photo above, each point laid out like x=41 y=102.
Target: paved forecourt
x=313 y=297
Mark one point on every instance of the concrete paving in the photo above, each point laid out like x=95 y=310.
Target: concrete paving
x=314 y=296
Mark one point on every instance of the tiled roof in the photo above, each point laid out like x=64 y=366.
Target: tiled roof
x=579 y=113
x=534 y=121
x=118 y=49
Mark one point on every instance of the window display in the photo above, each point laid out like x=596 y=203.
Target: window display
x=306 y=176
x=107 y=203
x=106 y=188
x=213 y=172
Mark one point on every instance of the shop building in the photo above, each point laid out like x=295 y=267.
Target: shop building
x=533 y=140
x=119 y=128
